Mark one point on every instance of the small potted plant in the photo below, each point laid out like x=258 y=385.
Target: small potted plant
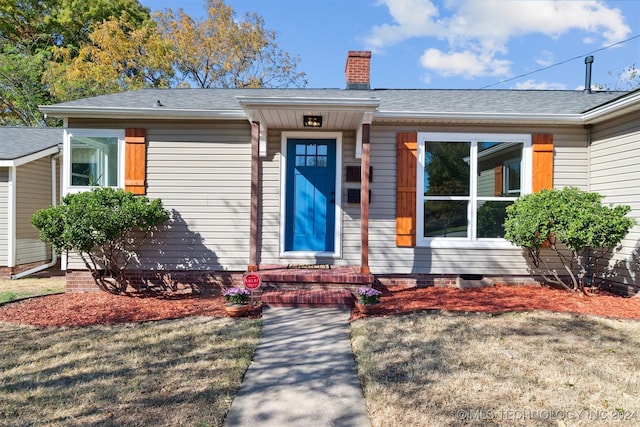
x=368 y=300
x=237 y=301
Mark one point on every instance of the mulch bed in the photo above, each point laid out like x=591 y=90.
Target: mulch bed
x=501 y=299
x=82 y=309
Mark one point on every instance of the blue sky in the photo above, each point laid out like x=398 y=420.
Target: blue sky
x=451 y=44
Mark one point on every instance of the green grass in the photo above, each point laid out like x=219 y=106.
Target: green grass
x=12 y=290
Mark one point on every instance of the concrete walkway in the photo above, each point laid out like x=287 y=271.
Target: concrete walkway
x=302 y=374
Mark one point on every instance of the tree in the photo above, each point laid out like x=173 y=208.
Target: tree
x=105 y=227
x=223 y=52
x=119 y=57
x=30 y=30
x=574 y=225
x=20 y=88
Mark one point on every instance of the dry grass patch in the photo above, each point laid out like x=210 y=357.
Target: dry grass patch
x=166 y=373
x=536 y=368
x=11 y=290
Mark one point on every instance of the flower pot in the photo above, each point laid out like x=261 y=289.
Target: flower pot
x=237 y=310
x=368 y=308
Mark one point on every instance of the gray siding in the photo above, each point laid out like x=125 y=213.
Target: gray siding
x=4 y=217
x=385 y=257
x=202 y=172
x=270 y=214
x=33 y=192
x=615 y=173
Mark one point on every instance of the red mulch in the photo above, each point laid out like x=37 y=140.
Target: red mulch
x=101 y=308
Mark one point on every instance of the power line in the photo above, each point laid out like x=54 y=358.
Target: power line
x=560 y=63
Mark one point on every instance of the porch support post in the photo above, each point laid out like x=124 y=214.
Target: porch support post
x=255 y=193
x=364 y=200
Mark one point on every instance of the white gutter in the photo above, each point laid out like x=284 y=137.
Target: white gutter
x=480 y=117
x=54 y=202
x=11 y=218
x=612 y=109
x=141 y=113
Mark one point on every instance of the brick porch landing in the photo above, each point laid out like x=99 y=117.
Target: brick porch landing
x=308 y=298
x=312 y=285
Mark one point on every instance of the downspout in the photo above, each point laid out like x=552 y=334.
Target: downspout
x=54 y=202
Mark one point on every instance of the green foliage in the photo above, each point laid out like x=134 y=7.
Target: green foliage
x=104 y=226
x=587 y=230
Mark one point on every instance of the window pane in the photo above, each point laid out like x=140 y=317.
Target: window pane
x=445 y=218
x=446 y=168
x=499 y=169
x=491 y=217
x=94 y=161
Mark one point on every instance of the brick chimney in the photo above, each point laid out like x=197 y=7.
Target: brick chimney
x=357 y=69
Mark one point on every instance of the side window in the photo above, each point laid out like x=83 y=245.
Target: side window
x=95 y=158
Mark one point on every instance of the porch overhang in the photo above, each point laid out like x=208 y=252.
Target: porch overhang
x=288 y=113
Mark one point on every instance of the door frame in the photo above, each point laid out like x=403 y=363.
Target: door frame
x=337 y=251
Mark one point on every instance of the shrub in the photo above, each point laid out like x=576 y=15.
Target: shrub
x=105 y=226
x=576 y=227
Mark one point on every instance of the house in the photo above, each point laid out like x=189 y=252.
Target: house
x=29 y=181
x=400 y=186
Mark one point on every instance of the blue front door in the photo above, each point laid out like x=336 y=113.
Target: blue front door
x=310 y=195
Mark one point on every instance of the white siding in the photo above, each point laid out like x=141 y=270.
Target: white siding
x=615 y=173
x=4 y=217
x=33 y=192
x=386 y=258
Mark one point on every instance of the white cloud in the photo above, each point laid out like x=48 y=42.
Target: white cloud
x=532 y=84
x=545 y=58
x=466 y=64
x=478 y=32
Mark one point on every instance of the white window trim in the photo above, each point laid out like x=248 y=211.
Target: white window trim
x=67 y=188
x=455 y=242
x=337 y=253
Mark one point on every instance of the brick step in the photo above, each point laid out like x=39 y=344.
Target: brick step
x=305 y=298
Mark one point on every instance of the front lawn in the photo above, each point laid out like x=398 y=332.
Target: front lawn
x=12 y=290
x=529 y=369
x=165 y=373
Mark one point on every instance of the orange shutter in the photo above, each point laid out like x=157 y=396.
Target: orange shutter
x=542 y=175
x=498 y=181
x=406 y=173
x=135 y=157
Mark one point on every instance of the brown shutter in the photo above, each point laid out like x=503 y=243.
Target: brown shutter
x=542 y=174
x=406 y=173
x=135 y=157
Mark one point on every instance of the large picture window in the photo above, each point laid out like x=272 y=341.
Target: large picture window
x=95 y=158
x=465 y=182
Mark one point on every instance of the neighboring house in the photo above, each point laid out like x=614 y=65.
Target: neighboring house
x=29 y=181
x=409 y=186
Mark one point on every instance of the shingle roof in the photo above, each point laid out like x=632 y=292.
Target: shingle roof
x=471 y=101
x=17 y=142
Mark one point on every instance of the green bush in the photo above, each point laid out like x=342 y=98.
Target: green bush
x=105 y=227
x=574 y=225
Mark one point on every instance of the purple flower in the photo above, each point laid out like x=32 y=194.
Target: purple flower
x=369 y=296
x=236 y=295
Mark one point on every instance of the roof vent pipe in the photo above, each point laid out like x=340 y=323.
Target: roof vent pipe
x=587 y=78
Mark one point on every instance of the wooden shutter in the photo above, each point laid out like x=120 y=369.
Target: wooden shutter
x=498 y=181
x=406 y=173
x=542 y=174
x=135 y=157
